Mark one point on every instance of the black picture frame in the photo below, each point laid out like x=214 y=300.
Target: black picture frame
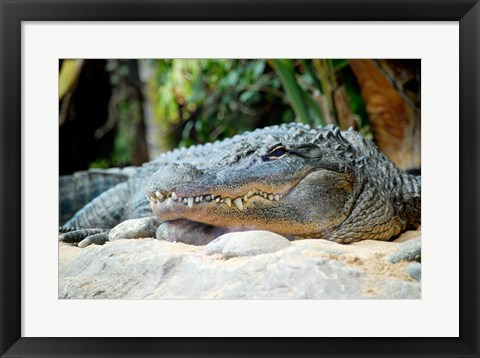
x=13 y=12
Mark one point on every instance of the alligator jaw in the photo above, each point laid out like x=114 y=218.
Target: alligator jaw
x=278 y=207
x=247 y=212
x=172 y=200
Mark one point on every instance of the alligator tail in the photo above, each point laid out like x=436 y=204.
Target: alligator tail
x=105 y=211
x=78 y=189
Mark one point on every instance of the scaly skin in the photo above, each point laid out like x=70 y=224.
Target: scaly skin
x=290 y=179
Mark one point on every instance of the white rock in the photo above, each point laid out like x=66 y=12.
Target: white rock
x=157 y=269
x=246 y=243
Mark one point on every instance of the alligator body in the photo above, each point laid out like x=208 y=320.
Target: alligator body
x=294 y=180
x=80 y=188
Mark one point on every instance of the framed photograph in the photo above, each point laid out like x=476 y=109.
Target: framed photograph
x=313 y=62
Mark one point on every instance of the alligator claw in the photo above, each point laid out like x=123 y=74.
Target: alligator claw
x=97 y=239
x=83 y=237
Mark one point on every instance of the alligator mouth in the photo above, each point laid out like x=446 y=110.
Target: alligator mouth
x=190 y=201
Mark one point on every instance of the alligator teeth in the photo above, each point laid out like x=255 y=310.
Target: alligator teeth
x=239 y=201
x=239 y=204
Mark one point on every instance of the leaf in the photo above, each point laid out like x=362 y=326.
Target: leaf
x=311 y=74
x=313 y=105
x=258 y=68
x=339 y=64
x=232 y=78
x=68 y=77
x=327 y=79
x=286 y=72
x=246 y=95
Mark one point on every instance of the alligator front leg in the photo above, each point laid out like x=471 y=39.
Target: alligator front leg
x=128 y=229
x=92 y=224
x=82 y=237
x=185 y=231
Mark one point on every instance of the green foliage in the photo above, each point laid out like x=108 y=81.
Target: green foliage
x=212 y=99
x=99 y=164
x=311 y=85
x=297 y=97
x=208 y=99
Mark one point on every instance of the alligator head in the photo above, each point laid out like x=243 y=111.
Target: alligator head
x=300 y=187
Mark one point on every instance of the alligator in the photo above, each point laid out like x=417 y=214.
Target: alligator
x=291 y=179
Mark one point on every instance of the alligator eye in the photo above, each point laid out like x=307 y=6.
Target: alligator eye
x=278 y=152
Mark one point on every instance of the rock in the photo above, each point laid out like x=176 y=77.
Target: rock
x=237 y=267
x=408 y=251
x=415 y=270
x=131 y=229
x=402 y=290
x=246 y=243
